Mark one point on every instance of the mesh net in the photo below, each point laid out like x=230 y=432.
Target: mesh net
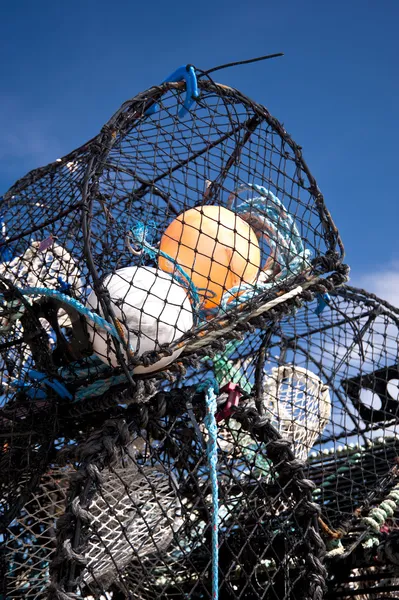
x=145 y=532
x=134 y=516
x=351 y=351
x=31 y=539
x=169 y=263
x=298 y=403
x=305 y=474
x=155 y=237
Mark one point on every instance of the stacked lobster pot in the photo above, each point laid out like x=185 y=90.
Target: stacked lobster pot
x=183 y=369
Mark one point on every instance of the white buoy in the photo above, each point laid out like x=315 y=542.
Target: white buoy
x=152 y=309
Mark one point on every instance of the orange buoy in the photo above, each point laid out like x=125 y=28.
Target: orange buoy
x=215 y=247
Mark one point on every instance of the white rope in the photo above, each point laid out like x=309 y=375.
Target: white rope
x=213 y=335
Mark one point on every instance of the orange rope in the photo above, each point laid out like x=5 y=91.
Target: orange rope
x=121 y=333
x=335 y=535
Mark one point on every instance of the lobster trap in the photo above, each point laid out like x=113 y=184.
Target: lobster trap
x=307 y=469
x=191 y=213
x=185 y=411
x=135 y=517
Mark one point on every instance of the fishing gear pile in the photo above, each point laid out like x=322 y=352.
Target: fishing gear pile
x=194 y=404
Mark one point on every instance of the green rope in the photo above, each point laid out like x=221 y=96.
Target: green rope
x=225 y=370
x=379 y=515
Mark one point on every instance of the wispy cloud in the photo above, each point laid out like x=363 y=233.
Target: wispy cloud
x=384 y=284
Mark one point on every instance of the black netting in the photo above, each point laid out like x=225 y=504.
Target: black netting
x=180 y=261
x=172 y=227
x=307 y=471
x=140 y=526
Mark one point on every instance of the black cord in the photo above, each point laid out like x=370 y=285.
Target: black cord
x=243 y=62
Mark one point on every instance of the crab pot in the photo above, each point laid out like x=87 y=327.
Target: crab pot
x=128 y=515
x=350 y=343
x=308 y=491
x=191 y=212
x=352 y=346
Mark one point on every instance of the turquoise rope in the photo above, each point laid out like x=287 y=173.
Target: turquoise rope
x=98 y=387
x=91 y=366
x=212 y=453
x=284 y=240
x=95 y=389
x=226 y=370
x=278 y=219
x=78 y=306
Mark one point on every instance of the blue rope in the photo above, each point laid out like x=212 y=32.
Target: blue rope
x=80 y=308
x=41 y=378
x=212 y=453
x=98 y=387
x=70 y=374
x=286 y=242
x=323 y=300
x=92 y=365
x=81 y=368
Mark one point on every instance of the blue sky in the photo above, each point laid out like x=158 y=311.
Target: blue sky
x=66 y=67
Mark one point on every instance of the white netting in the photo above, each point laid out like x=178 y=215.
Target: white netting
x=299 y=406
x=30 y=540
x=134 y=514
x=43 y=264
